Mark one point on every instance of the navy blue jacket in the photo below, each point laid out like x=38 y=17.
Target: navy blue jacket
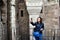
x=38 y=26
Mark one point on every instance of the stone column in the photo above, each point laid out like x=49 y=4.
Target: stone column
x=3 y=19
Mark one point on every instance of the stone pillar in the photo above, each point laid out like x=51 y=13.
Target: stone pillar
x=3 y=19
x=12 y=20
x=22 y=20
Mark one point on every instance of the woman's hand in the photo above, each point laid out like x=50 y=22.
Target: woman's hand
x=31 y=20
x=41 y=29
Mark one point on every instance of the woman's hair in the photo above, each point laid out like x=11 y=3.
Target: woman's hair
x=40 y=19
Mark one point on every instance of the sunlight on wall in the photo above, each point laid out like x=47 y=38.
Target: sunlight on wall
x=13 y=20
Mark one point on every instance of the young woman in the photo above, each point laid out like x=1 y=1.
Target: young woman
x=38 y=29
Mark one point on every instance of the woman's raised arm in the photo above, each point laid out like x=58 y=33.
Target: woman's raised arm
x=32 y=22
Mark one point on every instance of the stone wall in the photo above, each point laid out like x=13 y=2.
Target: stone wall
x=1 y=30
x=4 y=20
x=50 y=18
x=22 y=21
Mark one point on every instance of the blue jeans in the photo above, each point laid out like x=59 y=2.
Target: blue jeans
x=37 y=35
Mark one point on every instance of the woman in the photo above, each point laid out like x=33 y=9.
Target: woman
x=38 y=29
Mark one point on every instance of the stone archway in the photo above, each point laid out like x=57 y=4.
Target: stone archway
x=34 y=8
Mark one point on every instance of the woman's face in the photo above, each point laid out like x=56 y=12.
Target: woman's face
x=38 y=19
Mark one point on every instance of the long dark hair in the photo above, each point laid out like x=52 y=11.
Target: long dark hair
x=40 y=19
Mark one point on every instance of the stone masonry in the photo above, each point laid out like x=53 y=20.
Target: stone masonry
x=50 y=18
x=3 y=21
x=22 y=20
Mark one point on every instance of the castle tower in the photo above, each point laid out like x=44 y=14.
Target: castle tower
x=22 y=19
